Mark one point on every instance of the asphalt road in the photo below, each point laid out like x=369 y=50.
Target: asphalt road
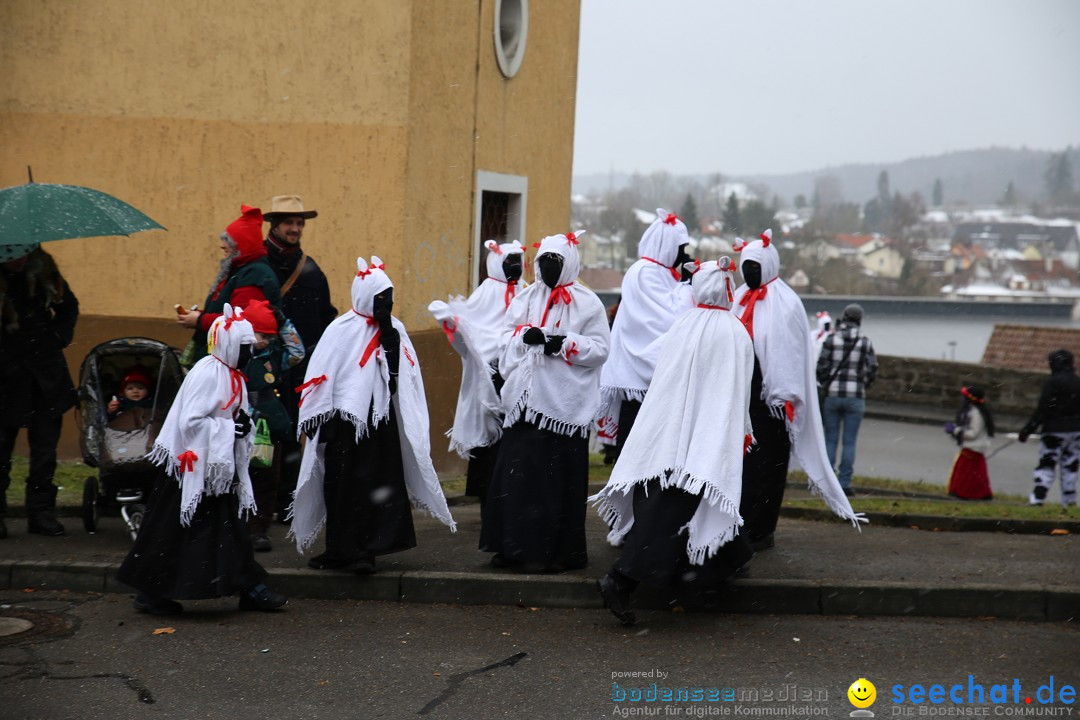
x=909 y=451
x=327 y=660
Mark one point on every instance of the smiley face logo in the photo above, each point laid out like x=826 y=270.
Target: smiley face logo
x=862 y=693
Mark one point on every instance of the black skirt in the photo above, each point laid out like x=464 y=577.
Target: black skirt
x=210 y=558
x=367 y=504
x=535 y=507
x=654 y=551
x=481 y=467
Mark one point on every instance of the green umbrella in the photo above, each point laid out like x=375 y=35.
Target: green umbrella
x=38 y=212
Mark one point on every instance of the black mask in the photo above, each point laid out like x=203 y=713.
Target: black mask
x=751 y=273
x=383 y=304
x=244 y=357
x=682 y=257
x=512 y=267
x=550 y=269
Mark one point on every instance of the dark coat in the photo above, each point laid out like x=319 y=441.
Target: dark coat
x=264 y=377
x=1059 y=404
x=307 y=304
x=256 y=273
x=39 y=312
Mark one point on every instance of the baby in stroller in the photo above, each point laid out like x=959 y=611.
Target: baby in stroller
x=134 y=393
x=125 y=388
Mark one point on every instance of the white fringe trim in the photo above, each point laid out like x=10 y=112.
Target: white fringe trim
x=697 y=550
x=361 y=425
x=559 y=427
x=303 y=544
x=610 y=394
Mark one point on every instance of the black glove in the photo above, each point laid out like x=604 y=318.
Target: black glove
x=687 y=274
x=241 y=424
x=553 y=344
x=533 y=336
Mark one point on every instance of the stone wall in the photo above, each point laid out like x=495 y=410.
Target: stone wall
x=918 y=382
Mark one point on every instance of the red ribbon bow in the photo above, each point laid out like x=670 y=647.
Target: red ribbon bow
x=571 y=239
x=365 y=273
x=511 y=290
x=187 y=461
x=559 y=295
x=449 y=331
x=312 y=383
x=373 y=344
x=670 y=219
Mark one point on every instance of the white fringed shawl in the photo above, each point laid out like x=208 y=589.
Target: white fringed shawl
x=784 y=350
x=338 y=385
x=197 y=443
x=694 y=424
x=474 y=328
x=561 y=392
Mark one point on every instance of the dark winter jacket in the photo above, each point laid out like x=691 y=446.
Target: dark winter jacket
x=1059 y=404
x=38 y=312
x=307 y=304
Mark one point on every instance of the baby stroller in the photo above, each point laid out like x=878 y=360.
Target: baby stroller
x=117 y=447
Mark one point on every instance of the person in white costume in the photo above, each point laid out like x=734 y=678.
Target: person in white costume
x=556 y=338
x=672 y=501
x=474 y=328
x=783 y=397
x=368 y=455
x=653 y=297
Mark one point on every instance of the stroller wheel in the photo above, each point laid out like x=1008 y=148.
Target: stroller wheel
x=133 y=515
x=90 y=504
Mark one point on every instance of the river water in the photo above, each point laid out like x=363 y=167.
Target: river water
x=939 y=337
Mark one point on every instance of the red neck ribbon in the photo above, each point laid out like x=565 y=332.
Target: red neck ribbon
x=236 y=384
x=711 y=307
x=511 y=290
x=312 y=383
x=559 y=295
x=748 y=301
x=674 y=273
x=373 y=345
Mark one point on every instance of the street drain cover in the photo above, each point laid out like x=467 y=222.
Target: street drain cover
x=18 y=625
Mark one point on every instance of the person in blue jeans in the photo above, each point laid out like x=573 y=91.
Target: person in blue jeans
x=846 y=367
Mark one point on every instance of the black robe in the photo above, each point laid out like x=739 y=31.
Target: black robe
x=534 y=513
x=212 y=557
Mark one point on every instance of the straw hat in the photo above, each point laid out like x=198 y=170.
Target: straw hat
x=283 y=205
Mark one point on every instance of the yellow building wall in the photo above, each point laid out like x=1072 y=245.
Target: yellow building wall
x=379 y=113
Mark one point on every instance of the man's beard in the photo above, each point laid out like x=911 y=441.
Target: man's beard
x=225 y=269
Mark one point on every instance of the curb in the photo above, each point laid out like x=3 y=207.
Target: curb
x=1022 y=602
x=944 y=523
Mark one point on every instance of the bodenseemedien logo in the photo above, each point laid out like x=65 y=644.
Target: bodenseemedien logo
x=862 y=695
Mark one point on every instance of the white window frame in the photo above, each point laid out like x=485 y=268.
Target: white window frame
x=517 y=186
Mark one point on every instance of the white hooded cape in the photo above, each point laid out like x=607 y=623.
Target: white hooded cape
x=785 y=353
x=474 y=328
x=338 y=385
x=197 y=444
x=652 y=298
x=694 y=424
x=561 y=392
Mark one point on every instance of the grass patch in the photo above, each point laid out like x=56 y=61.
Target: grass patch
x=453 y=485
x=69 y=478
x=951 y=508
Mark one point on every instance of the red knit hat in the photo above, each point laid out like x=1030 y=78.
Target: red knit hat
x=136 y=374
x=261 y=317
x=246 y=232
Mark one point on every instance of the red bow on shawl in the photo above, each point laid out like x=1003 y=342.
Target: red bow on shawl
x=236 y=381
x=674 y=273
x=671 y=219
x=449 y=331
x=187 y=461
x=312 y=383
x=559 y=295
x=569 y=352
x=373 y=345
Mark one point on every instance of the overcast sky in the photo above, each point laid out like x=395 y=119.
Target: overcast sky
x=772 y=86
